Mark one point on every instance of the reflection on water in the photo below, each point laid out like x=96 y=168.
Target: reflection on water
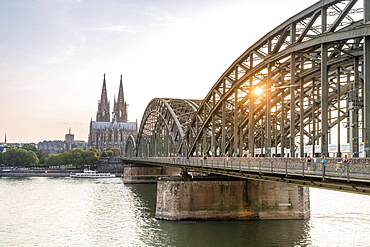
x=219 y=233
x=106 y=212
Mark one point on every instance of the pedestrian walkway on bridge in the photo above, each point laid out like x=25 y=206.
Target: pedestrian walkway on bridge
x=336 y=175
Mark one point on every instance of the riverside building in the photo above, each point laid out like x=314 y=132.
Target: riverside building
x=59 y=146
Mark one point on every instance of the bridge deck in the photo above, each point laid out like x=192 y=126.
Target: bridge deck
x=348 y=177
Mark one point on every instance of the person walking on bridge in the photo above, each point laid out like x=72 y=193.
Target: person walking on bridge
x=323 y=161
x=308 y=161
x=314 y=163
x=345 y=161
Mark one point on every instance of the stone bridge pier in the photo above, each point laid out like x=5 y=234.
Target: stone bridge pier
x=230 y=200
x=134 y=174
x=221 y=198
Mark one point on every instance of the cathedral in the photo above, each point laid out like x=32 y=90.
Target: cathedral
x=105 y=132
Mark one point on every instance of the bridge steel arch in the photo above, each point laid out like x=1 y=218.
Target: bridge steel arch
x=313 y=70
x=314 y=74
x=130 y=149
x=161 y=131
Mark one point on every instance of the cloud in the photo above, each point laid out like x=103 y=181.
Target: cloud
x=63 y=50
x=114 y=28
x=62 y=56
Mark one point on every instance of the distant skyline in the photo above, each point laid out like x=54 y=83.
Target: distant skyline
x=54 y=55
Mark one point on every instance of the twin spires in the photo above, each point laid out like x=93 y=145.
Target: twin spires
x=119 y=113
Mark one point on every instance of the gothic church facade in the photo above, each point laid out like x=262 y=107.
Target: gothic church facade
x=106 y=132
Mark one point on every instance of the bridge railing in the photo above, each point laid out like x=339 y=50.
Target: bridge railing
x=287 y=167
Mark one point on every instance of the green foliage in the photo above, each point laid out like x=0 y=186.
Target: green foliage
x=111 y=151
x=114 y=149
x=93 y=150
x=76 y=156
x=104 y=154
x=29 y=147
x=32 y=158
x=91 y=157
x=39 y=154
x=20 y=157
x=53 y=160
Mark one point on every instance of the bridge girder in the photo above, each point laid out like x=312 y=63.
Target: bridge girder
x=313 y=70
x=161 y=131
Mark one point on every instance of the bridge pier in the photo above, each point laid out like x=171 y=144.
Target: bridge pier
x=230 y=200
x=147 y=174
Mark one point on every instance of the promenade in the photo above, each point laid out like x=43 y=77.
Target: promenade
x=35 y=173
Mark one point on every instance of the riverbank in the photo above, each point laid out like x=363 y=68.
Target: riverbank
x=42 y=173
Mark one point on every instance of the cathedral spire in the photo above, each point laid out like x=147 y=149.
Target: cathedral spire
x=120 y=106
x=121 y=97
x=103 y=114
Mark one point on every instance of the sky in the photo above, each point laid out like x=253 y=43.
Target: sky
x=54 y=54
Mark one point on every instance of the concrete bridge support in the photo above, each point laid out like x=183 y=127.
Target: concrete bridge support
x=147 y=174
x=230 y=200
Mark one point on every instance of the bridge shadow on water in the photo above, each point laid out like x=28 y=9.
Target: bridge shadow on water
x=216 y=233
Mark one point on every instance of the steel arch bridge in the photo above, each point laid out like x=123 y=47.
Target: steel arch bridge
x=303 y=84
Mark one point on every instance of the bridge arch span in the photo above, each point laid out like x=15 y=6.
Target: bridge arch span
x=313 y=75
x=130 y=149
x=161 y=130
x=306 y=69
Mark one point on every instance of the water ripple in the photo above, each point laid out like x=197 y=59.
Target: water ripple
x=106 y=212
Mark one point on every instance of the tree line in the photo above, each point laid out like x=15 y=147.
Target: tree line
x=28 y=155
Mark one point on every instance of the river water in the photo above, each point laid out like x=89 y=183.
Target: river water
x=106 y=212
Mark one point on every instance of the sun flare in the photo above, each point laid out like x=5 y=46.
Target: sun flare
x=258 y=90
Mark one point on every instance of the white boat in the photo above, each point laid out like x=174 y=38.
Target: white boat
x=92 y=174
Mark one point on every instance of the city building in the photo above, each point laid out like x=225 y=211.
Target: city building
x=59 y=146
x=108 y=132
x=52 y=147
x=8 y=145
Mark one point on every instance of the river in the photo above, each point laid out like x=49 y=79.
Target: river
x=106 y=212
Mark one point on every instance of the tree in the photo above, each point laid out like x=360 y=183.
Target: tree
x=93 y=150
x=76 y=156
x=29 y=147
x=1 y=158
x=20 y=157
x=91 y=157
x=107 y=153
x=53 y=160
x=32 y=158
x=116 y=151
x=39 y=154
x=104 y=154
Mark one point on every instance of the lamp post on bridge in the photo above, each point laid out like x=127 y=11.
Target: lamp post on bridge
x=366 y=91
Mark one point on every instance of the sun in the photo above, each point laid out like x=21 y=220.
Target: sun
x=258 y=90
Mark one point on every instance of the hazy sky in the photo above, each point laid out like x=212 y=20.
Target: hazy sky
x=54 y=54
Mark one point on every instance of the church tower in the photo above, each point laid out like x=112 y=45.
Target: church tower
x=120 y=106
x=103 y=114
x=105 y=133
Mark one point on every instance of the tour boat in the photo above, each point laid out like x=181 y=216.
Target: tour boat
x=92 y=174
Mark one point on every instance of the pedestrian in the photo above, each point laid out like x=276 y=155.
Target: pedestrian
x=345 y=159
x=205 y=156
x=314 y=163
x=323 y=161
x=308 y=161
x=345 y=162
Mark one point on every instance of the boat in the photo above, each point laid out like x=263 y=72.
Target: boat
x=92 y=174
